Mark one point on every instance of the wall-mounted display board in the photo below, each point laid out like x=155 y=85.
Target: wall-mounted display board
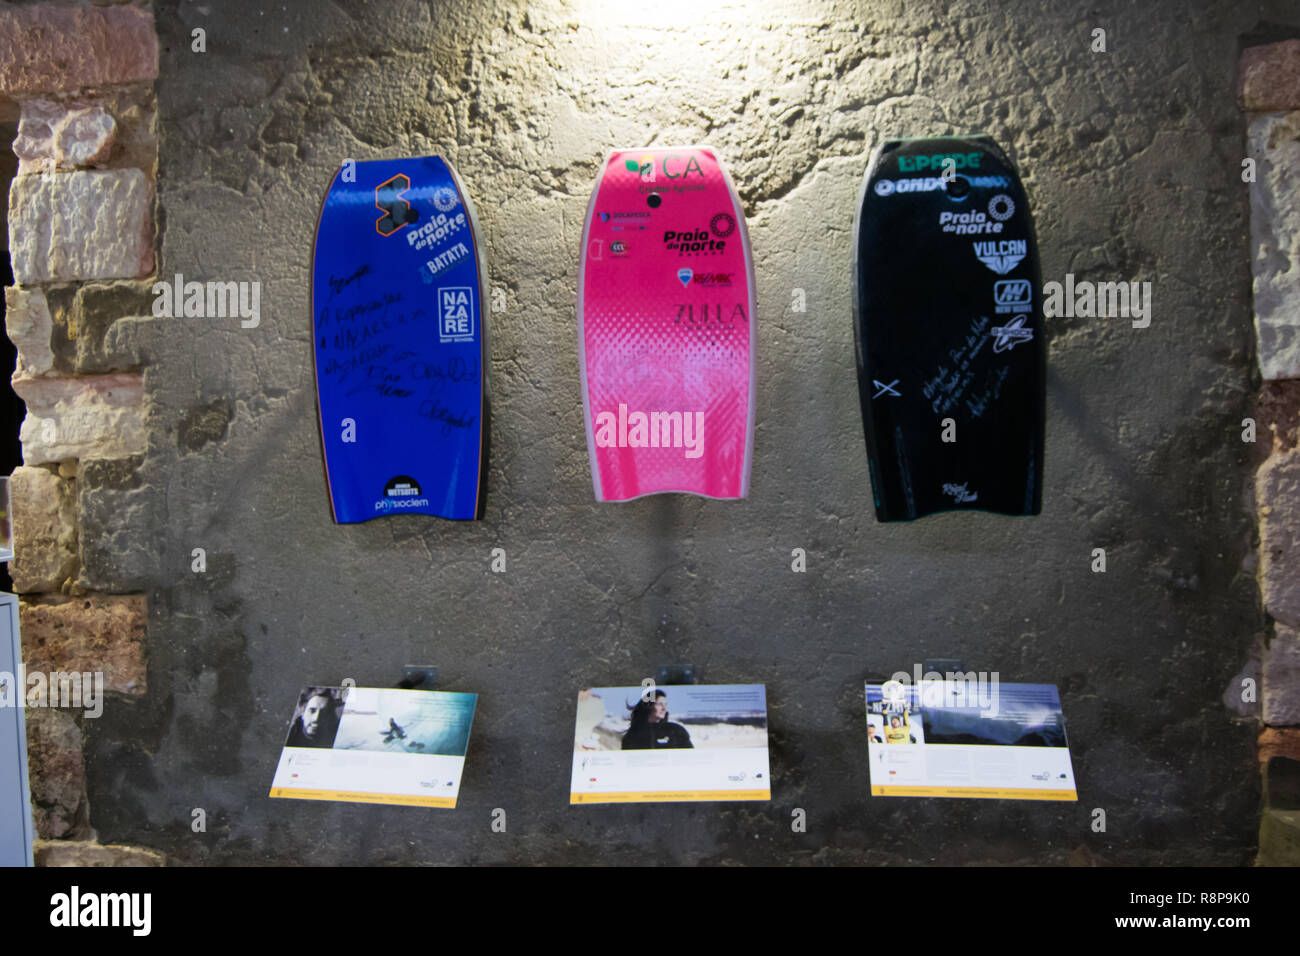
x=968 y=738
x=398 y=322
x=376 y=745
x=947 y=320
x=16 y=829
x=666 y=327
x=688 y=742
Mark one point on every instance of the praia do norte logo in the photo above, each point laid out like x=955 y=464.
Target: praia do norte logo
x=699 y=241
x=390 y=199
x=655 y=429
x=1106 y=300
x=456 y=314
x=1000 y=208
x=1001 y=256
x=401 y=492
x=890 y=187
x=440 y=227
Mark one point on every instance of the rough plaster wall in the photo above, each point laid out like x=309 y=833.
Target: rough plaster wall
x=1132 y=162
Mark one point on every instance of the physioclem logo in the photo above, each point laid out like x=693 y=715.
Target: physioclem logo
x=401 y=492
x=655 y=429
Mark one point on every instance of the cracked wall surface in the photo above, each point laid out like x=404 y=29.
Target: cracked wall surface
x=1132 y=162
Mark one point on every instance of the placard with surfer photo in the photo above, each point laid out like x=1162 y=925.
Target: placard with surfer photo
x=673 y=743
x=968 y=735
x=376 y=745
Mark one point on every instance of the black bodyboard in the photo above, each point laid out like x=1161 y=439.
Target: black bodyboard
x=948 y=326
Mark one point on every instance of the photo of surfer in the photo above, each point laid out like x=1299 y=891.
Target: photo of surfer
x=897 y=730
x=683 y=717
x=316 y=718
x=875 y=729
x=406 y=721
x=651 y=729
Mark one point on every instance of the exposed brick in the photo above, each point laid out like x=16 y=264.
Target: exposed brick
x=58 y=774
x=28 y=322
x=98 y=416
x=44 y=530
x=1277 y=495
x=112 y=506
x=76 y=853
x=1282 y=678
x=83 y=225
x=1275 y=242
x=82 y=318
x=1277 y=414
x=57 y=136
x=48 y=49
x=1279 y=838
x=1278 y=741
x=1268 y=77
x=87 y=634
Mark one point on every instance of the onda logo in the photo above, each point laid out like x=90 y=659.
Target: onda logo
x=402 y=491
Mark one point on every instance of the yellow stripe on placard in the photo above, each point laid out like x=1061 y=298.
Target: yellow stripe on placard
x=347 y=796
x=679 y=796
x=990 y=793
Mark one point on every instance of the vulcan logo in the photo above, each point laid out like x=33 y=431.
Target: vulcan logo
x=1002 y=256
x=684 y=430
x=401 y=492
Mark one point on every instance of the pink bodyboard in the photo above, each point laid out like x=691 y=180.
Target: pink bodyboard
x=666 y=327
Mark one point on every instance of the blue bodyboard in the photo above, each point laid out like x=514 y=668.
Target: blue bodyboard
x=400 y=343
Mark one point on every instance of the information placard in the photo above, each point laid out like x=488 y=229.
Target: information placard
x=671 y=744
x=376 y=745
x=971 y=737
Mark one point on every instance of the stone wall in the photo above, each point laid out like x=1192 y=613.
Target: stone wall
x=81 y=228
x=1270 y=95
